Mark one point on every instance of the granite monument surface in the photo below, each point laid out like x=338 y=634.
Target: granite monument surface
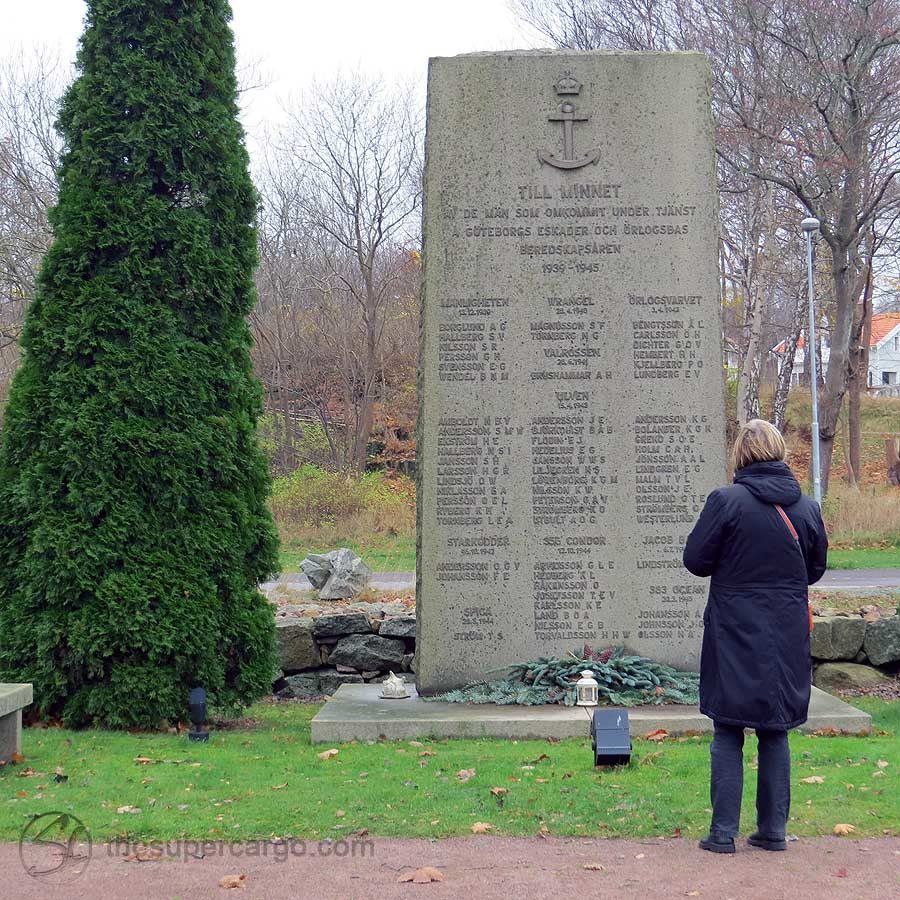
x=571 y=392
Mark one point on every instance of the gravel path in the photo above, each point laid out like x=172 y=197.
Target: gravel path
x=494 y=869
x=834 y=579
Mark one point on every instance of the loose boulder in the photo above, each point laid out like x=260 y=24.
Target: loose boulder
x=882 y=644
x=846 y=676
x=337 y=575
x=296 y=648
x=368 y=652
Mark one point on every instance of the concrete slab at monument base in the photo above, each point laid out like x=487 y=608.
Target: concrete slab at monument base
x=13 y=699
x=357 y=712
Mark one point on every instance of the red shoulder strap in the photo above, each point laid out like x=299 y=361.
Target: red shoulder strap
x=787 y=522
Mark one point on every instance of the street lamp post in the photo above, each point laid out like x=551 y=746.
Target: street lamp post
x=810 y=226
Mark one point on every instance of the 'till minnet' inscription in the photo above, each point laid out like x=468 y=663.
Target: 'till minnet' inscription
x=572 y=419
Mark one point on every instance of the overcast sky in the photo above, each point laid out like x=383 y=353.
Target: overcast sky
x=292 y=42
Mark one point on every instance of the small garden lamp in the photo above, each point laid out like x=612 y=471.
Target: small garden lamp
x=586 y=689
x=197 y=708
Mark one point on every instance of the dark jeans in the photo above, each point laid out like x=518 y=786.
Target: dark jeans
x=773 y=782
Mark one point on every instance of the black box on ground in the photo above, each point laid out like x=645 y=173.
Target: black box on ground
x=610 y=737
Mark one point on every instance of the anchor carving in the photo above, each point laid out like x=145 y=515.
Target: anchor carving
x=568 y=86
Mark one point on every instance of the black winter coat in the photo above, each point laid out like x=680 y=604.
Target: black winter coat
x=755 y=665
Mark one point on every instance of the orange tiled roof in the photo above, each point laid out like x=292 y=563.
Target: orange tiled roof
x=882 y=325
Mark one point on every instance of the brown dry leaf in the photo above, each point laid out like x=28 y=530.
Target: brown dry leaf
x=17 y=757
x=481 y=827
x=813 y=779
x=21 y=794
x=882 y=764
x=660 y=734
x=499 y=791
x=122 y=810
x=830 y=731
x=27 y=773
x=143 y=760
x=842 y=828
x=278 y=787
x=144 y=854
x=428 y=753
x=465 y=774
x=425 y=875
x=328 y=754
x=594 y=867
x=541 y=758
x=340 y=813
x=233 y=881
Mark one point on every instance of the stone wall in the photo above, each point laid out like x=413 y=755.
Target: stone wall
x=850 y=652
x=320 y=648
x=319 y=651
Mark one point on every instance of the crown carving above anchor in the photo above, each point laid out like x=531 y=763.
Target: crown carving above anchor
x=567 y=85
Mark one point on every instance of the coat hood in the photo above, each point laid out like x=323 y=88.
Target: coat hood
x=771 y=482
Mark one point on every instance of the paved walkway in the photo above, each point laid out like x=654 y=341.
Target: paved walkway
x=862 y=580
x=489 y=869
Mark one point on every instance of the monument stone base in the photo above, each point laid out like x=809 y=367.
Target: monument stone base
x=357 y=712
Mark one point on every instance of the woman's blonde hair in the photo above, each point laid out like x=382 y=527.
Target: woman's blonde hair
x=757 y=441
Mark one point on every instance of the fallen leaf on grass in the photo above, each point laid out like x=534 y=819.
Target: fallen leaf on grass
x=278 y=787
x=428 y=753
x=830 y=731
x=660 y=734
x=328 y=754
x=882 y=764
x=425 y=875
x=17 y=757
x=27 y=773
x=813 y=779
x=340 y=813
x=594 y=867
x=842 y=828
x=481 y=827
x=541 y=758
x=144 y=760
x=233 y=881
x=465 y=774
x=21 y=794
x=122 y=810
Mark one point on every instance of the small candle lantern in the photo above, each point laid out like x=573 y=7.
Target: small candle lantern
x=586 y=689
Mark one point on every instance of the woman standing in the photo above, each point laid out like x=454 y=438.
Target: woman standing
x=763 y=543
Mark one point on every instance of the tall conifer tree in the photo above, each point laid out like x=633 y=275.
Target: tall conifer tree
x=133 y=526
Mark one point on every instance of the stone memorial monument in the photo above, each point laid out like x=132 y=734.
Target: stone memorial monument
x=572 y=404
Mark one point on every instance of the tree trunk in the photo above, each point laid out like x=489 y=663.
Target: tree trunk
x=832 y=392
x=786 y=369
x=859 y=368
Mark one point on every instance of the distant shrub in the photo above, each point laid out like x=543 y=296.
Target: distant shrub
x=315 y=498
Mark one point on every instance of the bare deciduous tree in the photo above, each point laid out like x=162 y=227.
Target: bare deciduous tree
x=341 y=195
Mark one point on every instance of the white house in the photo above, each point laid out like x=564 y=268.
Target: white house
x=884 y=353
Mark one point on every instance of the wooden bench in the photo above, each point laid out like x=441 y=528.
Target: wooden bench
x=13 y=699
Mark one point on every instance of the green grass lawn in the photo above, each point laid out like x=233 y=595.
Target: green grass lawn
x=380 y=554
x=267 y=780
x=865 y=558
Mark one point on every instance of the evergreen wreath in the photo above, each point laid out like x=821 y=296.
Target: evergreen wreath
x=624 y=680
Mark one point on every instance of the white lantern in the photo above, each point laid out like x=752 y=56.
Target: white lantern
x=586 y=689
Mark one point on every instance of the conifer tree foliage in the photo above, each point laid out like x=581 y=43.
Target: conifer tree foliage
x=133 y=526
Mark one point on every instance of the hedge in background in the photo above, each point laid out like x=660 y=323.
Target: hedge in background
x=133 y=527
